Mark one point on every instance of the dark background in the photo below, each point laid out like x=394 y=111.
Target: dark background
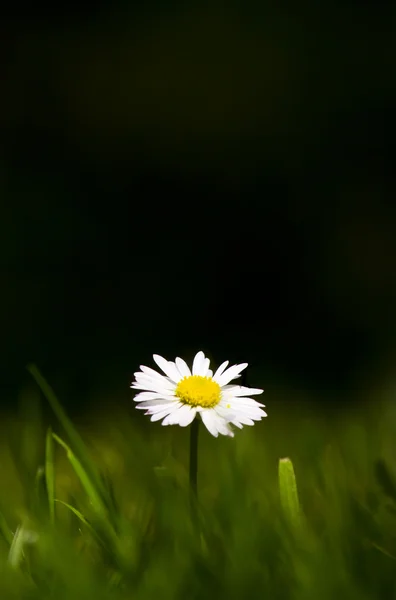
x=214 y=176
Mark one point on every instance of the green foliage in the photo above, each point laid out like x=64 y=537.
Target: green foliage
x=109 y=517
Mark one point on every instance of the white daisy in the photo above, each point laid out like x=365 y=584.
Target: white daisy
x=182 y=394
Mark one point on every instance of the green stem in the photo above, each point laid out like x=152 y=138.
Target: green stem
x=194 y=458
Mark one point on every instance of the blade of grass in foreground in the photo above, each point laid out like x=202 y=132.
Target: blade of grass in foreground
x=81 y=517
x=40 y=490
x=5 y=531
x=103 y=531
x=74 y=437
x=50 y=473
x=88 y=485
x=288 y=493
x=385 y=479
x=21 y=538
x=15 y=554
x=95 y=498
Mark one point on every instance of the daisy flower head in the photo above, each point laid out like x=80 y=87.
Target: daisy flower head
x=182 y=394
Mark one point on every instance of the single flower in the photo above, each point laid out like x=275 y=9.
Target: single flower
x=181 y=394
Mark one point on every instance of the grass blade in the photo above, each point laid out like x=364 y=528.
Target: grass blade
x=40 y=492
x=108 y=535
x=31 y=433
x=50 y=473
x=21 y=537
x=81 y=517
x=74 y=437
x=288 y=492
x=5 y=531
x=88 y=485
x=15 y=554
x=385 y=479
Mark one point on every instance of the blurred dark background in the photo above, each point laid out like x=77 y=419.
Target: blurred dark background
x=215 y=176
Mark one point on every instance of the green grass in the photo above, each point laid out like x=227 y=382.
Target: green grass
x=102 y=510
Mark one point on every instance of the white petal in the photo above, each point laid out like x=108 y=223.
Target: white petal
x=256 y=414
x=233 y=411
x=183 y=367
x=230 y=374
x=147 y=379
x=241 y=402
x=199 y=364
x=188 y=417
x=224 y=412
x=168 y=367
x=223 y=427
x=244 y=420
x=149 y=371
x=220 y=369
x=240 y=390
x=147 y=396
x=158 y=377
x=205 y=368
x=233 y=402
x=157 y=416
x=152 y=375
x=215 y=424
x=153 y=387
x=148 y=388
x=173 y=417
x=209 y=373
x=253 y=411
x=153 y=406
x=156 y=401
x=209 y=420
x=182 y=416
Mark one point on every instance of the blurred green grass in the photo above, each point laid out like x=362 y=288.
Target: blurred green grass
x=145 y=543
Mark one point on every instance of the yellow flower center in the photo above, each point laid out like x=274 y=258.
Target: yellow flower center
x=198 y=391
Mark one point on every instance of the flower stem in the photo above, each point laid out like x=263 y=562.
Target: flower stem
x=194 y=458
